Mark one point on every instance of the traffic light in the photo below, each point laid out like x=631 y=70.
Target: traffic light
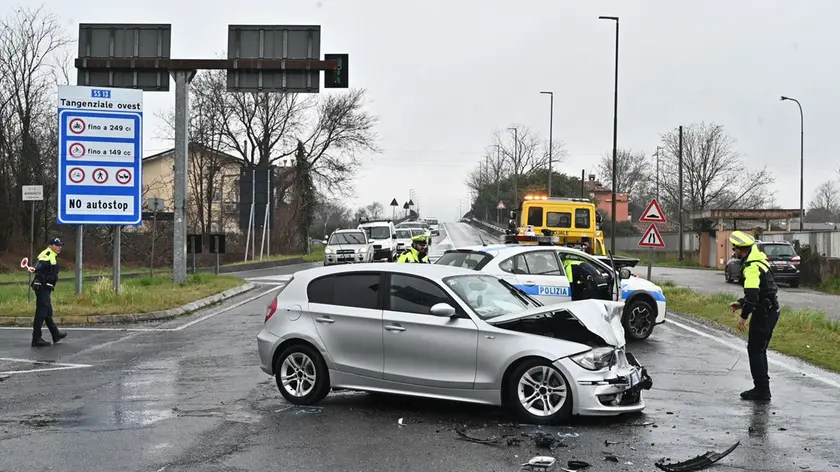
x=337 y=78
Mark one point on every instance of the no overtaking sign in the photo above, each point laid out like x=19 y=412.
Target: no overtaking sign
x=100 y=139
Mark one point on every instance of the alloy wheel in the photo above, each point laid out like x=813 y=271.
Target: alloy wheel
x=542 y=391
x=640 y=321
x=298 y=375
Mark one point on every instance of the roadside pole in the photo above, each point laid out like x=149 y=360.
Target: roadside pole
x=117 y=247
x=80 y=233
x=32 y=193
x=653 y=214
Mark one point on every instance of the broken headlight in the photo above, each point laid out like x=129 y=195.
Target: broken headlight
x=596 y=359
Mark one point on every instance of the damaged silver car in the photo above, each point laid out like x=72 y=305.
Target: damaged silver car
x=449 y=333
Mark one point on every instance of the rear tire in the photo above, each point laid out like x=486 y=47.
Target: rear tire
x=535 y=385
x=794 y=283
x=727 y=276
x=638 y=320
x=301 y=375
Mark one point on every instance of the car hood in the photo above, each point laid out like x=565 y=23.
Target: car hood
x=347 y=246
x=600 y=317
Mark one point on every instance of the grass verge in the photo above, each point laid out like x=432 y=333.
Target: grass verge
x=805 y=334
x=316 y=256
x=830 y=284
x=141 y=295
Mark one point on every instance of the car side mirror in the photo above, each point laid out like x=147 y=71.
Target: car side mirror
x=624 y=273
x=394 y=237
x=324 y=242
x=443 y=310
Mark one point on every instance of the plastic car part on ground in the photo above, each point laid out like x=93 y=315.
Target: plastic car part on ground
x=697 y=463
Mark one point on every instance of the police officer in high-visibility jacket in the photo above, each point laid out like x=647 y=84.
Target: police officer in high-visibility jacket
x=761 y=301
x=417 y=251
x=46 y=276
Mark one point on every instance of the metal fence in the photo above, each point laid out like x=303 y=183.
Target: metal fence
x=824 y=243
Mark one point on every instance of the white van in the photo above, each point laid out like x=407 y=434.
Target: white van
x=383 y=236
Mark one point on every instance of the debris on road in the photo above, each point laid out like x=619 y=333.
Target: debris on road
x=493 y=441
x=541 y=463
x=611 y=458
x=544 y=440
x=400 y=422
x=578 y=465
x=697 y=463
x=608 y=443
x=569 y=435
x=646 y=423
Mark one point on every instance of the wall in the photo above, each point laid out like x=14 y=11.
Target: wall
x=824 y=243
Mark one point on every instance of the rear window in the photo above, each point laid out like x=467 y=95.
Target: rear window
x=777 y=250
x=582 y=218
x=465 y=259
x=404 y=233
x=559 y=220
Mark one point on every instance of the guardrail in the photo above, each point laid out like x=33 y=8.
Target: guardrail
x=487 y=226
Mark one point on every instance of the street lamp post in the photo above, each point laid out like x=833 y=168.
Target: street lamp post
x=550 y=139
x=801 y=163
x=615 y=133
x=515 y=164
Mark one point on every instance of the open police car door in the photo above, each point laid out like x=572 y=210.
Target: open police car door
x=539 y=274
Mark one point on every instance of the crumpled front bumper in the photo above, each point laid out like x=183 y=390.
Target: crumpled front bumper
x=611 y=392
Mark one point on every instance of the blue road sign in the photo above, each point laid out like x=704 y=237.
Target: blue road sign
x=100 y=153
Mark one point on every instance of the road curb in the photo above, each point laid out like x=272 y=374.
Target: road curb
x=169 y=314
x=224 y=269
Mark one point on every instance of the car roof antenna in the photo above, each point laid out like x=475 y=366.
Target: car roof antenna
x=481 y=239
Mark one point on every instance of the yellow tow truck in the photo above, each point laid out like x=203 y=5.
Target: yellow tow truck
x=571 y=222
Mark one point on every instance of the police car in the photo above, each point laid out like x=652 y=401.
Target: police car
x=540 y=271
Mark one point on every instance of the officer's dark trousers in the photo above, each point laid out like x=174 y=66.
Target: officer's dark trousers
x=43 y=313
x=762 y=325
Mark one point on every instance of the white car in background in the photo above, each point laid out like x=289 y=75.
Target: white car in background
x=419 y=226
x=404 y=236
x=347 y=246
x=383 y=236
x=539 y=272
x=434 y=226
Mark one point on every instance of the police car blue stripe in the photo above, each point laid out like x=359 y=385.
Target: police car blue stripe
x=625 y=294
x=545 y=290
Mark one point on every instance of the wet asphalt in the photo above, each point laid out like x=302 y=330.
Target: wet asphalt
x=188 y=395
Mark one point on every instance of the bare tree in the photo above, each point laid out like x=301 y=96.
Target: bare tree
x=375 y=210
x=30 y=40
x=331 y=215
x=632 y=170
x=826 y=198
x=523 y=151
x=714 y=175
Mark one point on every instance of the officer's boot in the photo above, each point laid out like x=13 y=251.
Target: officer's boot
x=757 y=394
x=40 y=343
x=58 y=336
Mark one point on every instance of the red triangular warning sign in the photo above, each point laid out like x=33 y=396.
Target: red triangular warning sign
x=652 y=238
x=653 y=213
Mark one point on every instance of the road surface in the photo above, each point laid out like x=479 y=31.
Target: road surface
x=188 y=396
x=712 y=282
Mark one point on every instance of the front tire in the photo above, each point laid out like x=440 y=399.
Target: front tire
x=301 y=375
x=794 y=283
x=638 y=320
x=538 y=393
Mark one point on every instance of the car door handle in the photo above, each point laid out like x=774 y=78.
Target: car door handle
x=394 y=328
x=530 y=283
x=325 y=319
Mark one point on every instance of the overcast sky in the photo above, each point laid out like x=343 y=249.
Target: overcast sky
x=444 y=74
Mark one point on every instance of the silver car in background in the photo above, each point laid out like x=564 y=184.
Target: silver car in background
x=448 y=333
x=347 y=246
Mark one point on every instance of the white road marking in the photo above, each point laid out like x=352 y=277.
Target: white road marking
x=60 y=366
x=809 y=372
x=235 y=305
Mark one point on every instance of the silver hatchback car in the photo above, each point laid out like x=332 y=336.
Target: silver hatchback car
x=448 y=333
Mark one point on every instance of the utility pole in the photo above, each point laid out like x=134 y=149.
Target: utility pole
x=615 y=134
x=657 y=173
x=550 y=139
x=680 y=163
x=515 y=165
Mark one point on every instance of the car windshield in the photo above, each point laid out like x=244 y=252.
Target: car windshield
x=488 y=296
x=432 y=222
x=778 y=250
x=347 y=238
x=417 y=231
x=403 y=234
x=465 y=259
x=377 y=232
